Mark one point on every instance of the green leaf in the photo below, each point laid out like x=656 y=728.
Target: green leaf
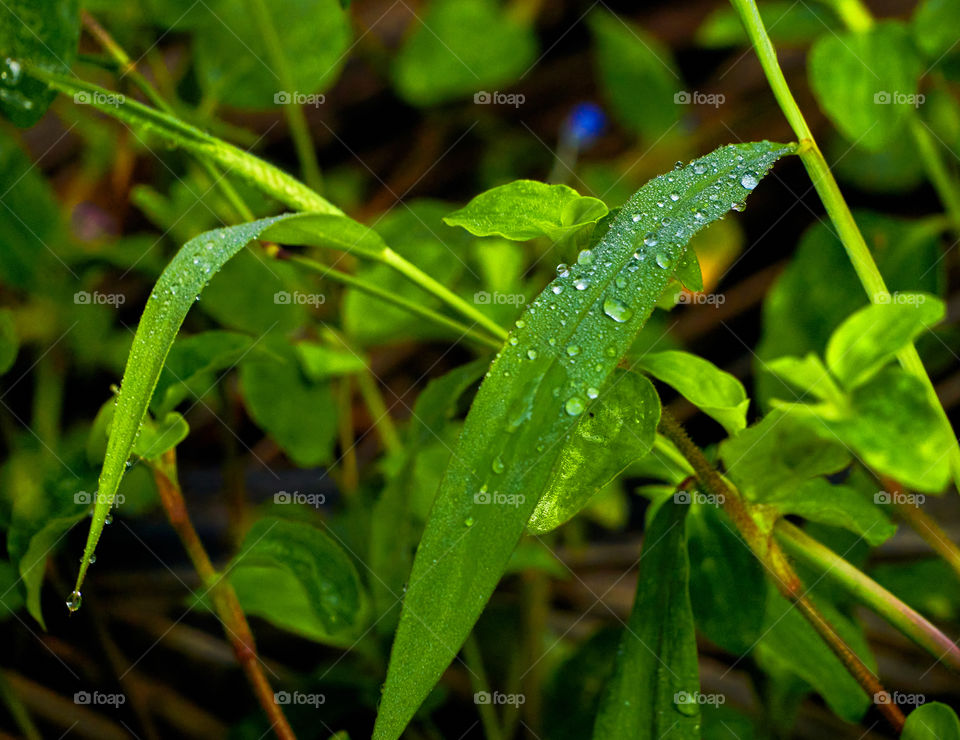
x=297 y=413
x=866 y=81
x=320 y=362
x=569 y=340
x=839 y=506
x=637 y=74
x=934 y=25
x=237 y=63
x=933 y=721
x=873 y=336
x=9 y=342
x=807 y=374
x=33 y=564
x=658 y=650
x=12 y=597
x=788 y=23
x=526 y=209
x=298 y=578
x=777 y=454
x=715 y=392
x=462 y=48
x=42 y=32
x=619 y=429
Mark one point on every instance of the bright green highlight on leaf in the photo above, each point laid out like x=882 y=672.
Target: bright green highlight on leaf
x=933 y=721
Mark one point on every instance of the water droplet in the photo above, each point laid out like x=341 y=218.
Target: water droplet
x=699 y=168
x=562 y=270
x=109 y=519
x=557 y=289
x=635 y=217
x=621 y=281
x=520 y=323
x=468 y=522
x=93 y=559
x=687 y=706
x=677 y=165
x=650 y=239
x=513 y=341
x=11 y=72
x=739 y=207
x=574 y=406
x=573 y=350
x=585 y=257
x=551 y=341
x=749 y=180
x=663 y=259
x=592 y=392
x=674 y=196
x=617 y=310
x=581 y=284
x=73 y=603
x=498 y=466
x=698 y=215
x=532 y=354
x=209 y=245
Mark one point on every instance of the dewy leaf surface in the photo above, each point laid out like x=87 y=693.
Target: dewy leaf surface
x=567 y=343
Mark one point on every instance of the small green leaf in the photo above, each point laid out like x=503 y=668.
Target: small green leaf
x=569 y=340
x=866 y=81
x=839 y=506
x=9 y=342
x=637 y=74
x=33 y=564
x=38 y=31
x=658 y=650
x=934 y=25
x=807 y=374
x=873 y=336
x=462 y=48
x=298 y=578
x=321 y=362
x=933 y=721
x=526 y=209
x=777 y=454
x=619 y=429
x=715 y=392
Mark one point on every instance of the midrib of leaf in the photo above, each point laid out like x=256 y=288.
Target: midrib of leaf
x=511 y=437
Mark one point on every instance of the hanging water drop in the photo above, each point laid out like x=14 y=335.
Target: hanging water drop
x=749 y=180
x=617 y=310
x=73 y=603
x=108 y=519
x=562 y=270
x=574 y=406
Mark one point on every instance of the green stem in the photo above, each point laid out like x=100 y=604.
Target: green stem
x=869 y=593
x=826 y=186
x=18 y=711
x=479 y=682
x=297 y=121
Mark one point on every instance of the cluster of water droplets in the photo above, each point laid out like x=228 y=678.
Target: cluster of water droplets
x=11 y=76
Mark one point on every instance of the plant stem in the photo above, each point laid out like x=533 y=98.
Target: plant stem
x=925 y=526
x=349 y=473
x=392 y=298
x=18 y=711
x=774 y=560
x=869 y=593
x=480 y=683
x=826 y=186
x=378 y=410
x=225 y=599
x=297 y=121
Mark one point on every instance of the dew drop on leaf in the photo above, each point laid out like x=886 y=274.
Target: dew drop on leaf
x=617 y=310
x=557 y=289
x=532 y=354
x=11 y=72
x=592 y=392
x=574 y=406
x=663 y=259
x=563 y=270
x=497 y=466
x=581 y=284
x=650 y=239
x=573 y=350
x=468 y=522
x=585 y=257
x=749 y=180
x=674 y=196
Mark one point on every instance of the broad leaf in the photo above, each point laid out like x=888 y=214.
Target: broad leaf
x=526 y=209
x=874 y=335
x=38 y=31
x=808 y=376
x=654 y=690
x=619 y=430
x=322 y=362
x=933 y=721
x=934 y=25
x=715 y=392
x=866 y=81
x=568 y=341
x=297 y=577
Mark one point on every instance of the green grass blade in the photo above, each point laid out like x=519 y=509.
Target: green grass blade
x=567 y=343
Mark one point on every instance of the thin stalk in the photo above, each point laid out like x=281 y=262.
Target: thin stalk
x=18 y=711
x=388 y=297
x=829 y=192
x=925 y=526
x=768 y=552
x=349 y=473
x=869 y=593
x=479 y=682
x=378 y=410
x=225 y=601
x=297 y=121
